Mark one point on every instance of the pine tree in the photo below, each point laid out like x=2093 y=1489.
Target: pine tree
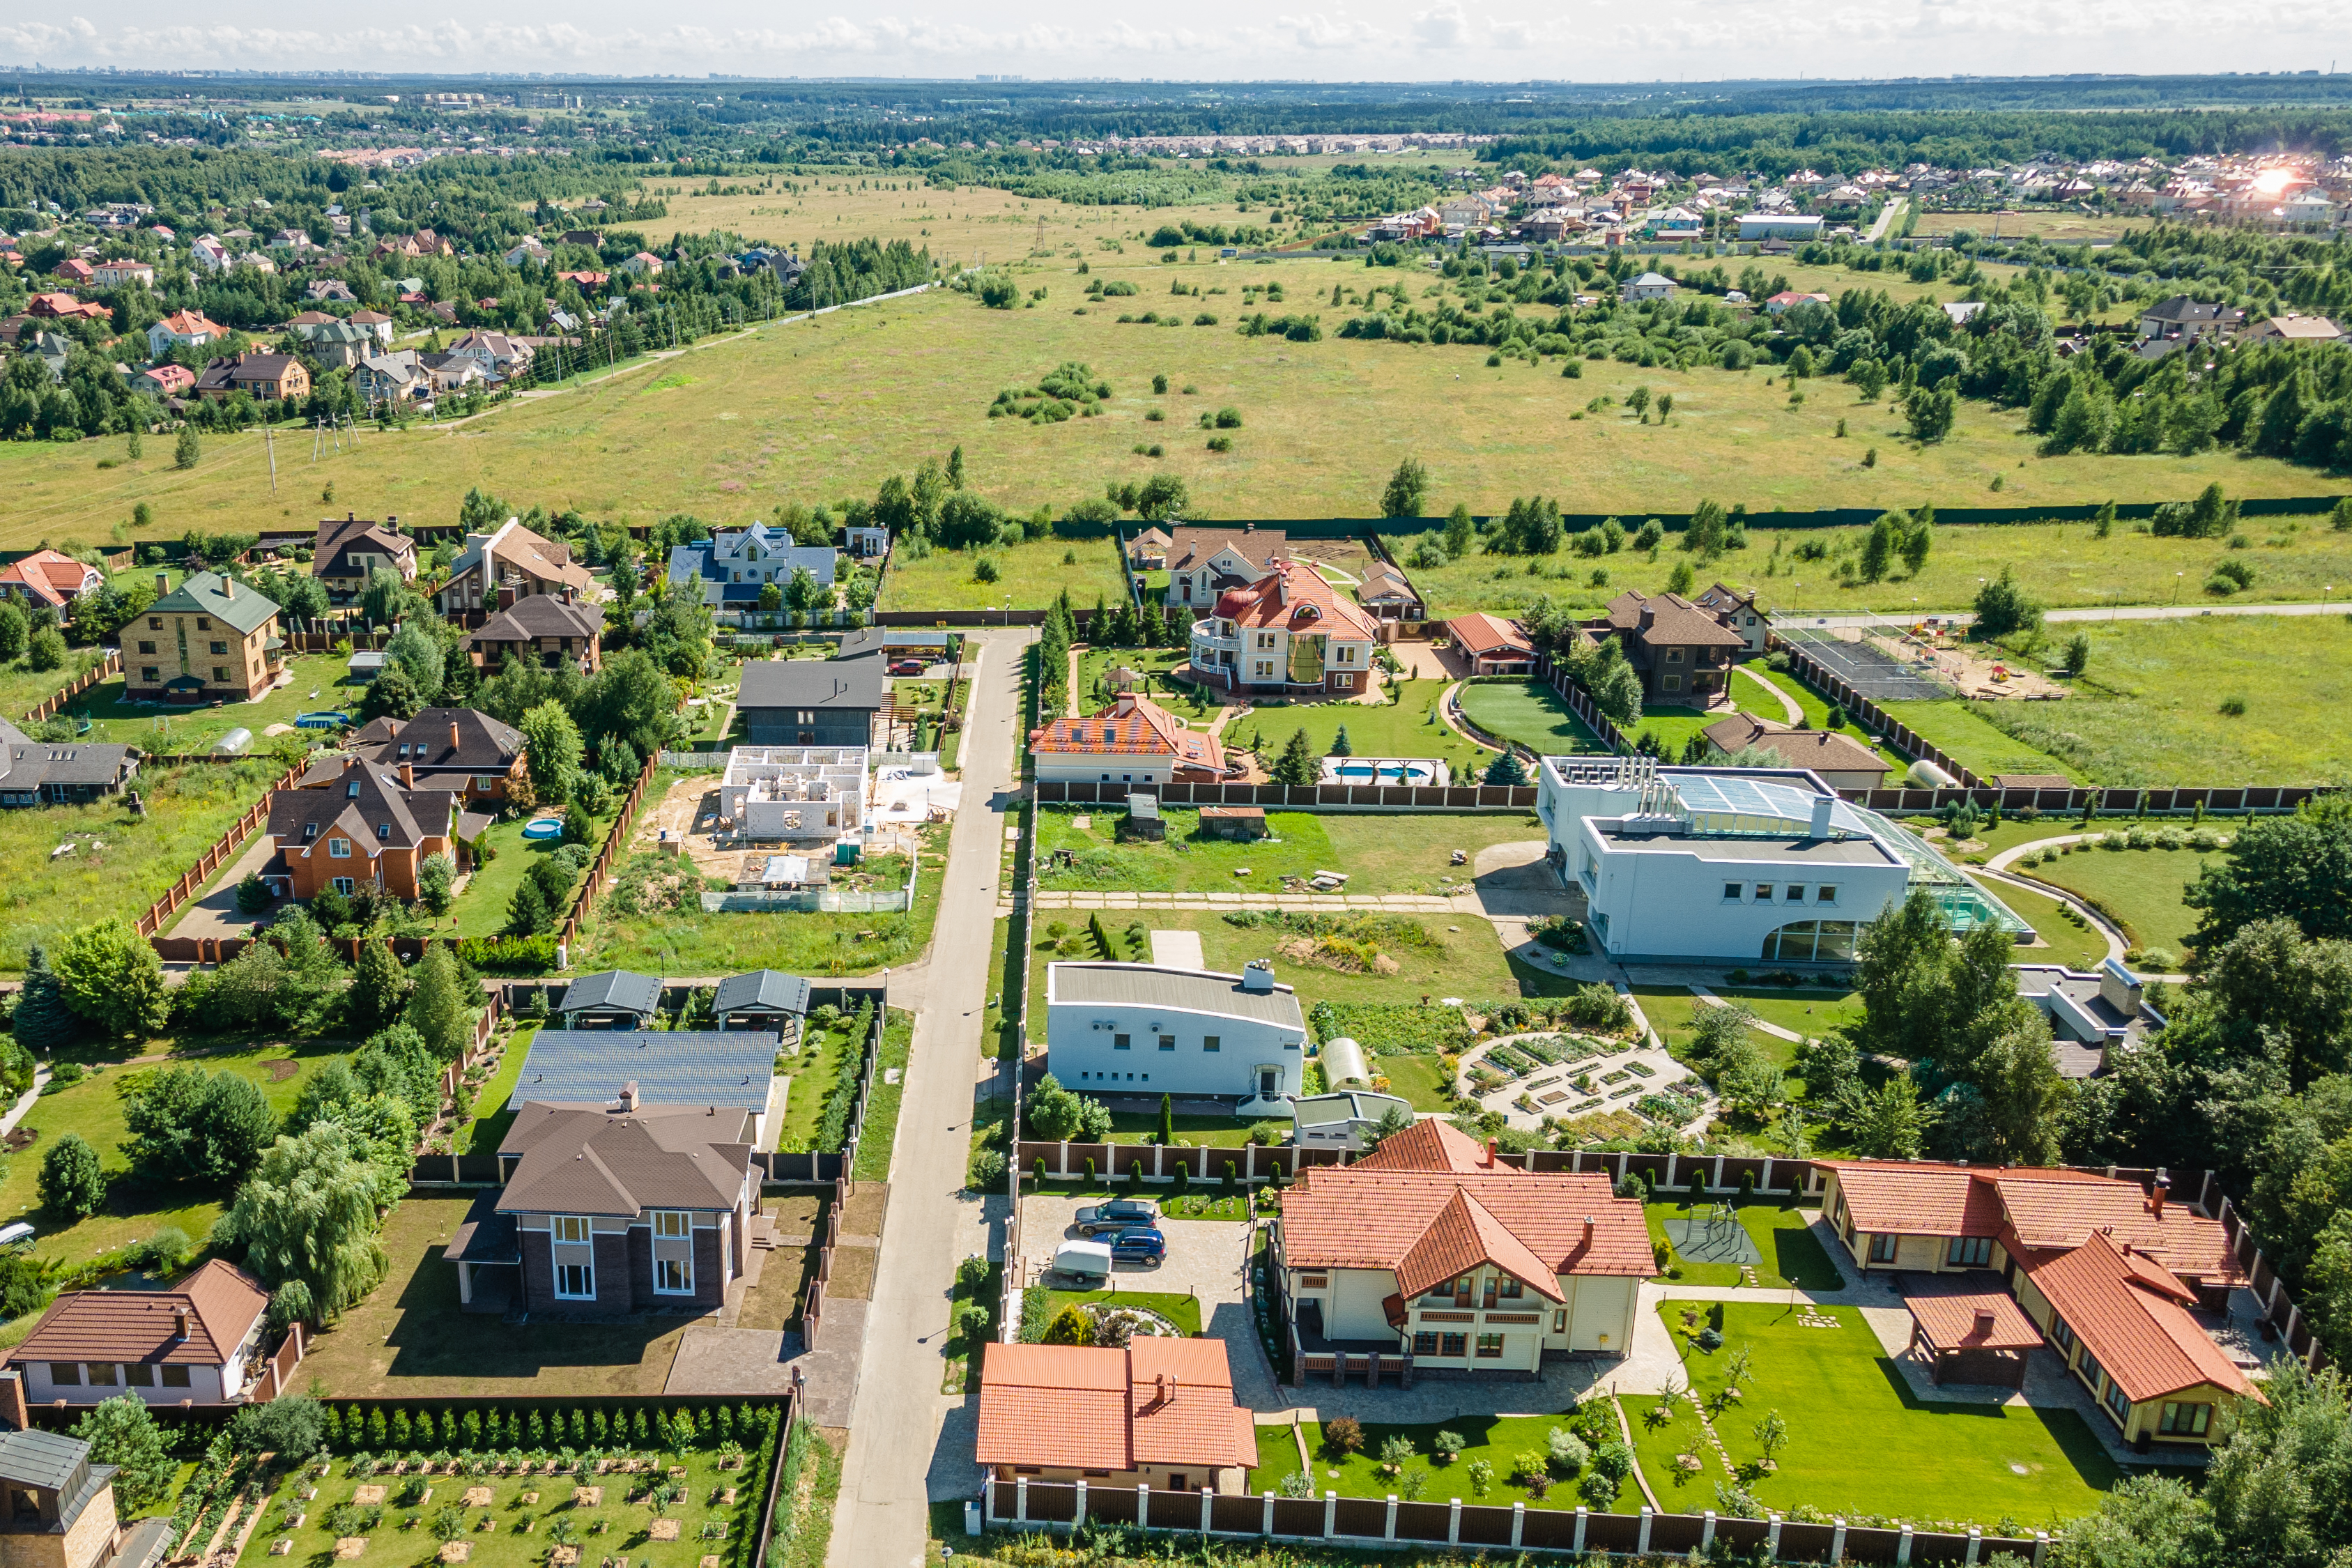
x=379 y=1432
x=378 y=988
x=1341 y=745
x=189 y=449
x=1297 y=764
x=438 y=1008
x=1507 y=769
x=1167 y=1121
x=955 y=469
x=43 y=1020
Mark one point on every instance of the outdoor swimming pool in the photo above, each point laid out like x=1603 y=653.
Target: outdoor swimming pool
x=1423 y=771
x=543 y=827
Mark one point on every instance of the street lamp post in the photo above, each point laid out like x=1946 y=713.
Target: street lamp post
x=2175 y=587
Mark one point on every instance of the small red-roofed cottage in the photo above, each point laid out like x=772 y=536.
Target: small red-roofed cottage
x=2110 y=1273
x=1158 y=1412
x=1290 y=632
x=1134 y=740
x=1430 y=1256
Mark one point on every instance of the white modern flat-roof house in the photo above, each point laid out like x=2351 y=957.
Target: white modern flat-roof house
x=1780 y=226
x=1152 y=1029
x=1742 y=864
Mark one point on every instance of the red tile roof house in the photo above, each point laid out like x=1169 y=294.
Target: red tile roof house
x=1290 y=632
x=49 y=577
x=1491 y=644
x=1436 y=1257
x=199 y=1344
x=1133 y=740
x=2109 y=1273
x=1159 y=1413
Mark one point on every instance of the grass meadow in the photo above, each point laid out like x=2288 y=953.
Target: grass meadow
x=824 y=409
x=2139 y=888
x=120 y=862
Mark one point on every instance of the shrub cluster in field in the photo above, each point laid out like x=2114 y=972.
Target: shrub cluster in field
x=1069 y=389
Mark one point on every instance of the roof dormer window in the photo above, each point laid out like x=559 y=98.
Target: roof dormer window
x=309 y=831
x=383 y=831
x=351 y=790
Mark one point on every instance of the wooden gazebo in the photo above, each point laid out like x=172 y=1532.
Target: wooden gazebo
x=1977 y=1336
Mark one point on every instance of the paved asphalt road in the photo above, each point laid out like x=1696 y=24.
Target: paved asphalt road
x=1785 y=619
x=883 y=1520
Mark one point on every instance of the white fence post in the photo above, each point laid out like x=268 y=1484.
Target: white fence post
x=1206 y=1493
x=1643 y=1543
x=1388 y=1530
x=1266 y=1528
x=1453 y=1522
x=1706 y=1531
x=1143 y=1505
x=1519 y=1522
x=1903 y=1547
x=1330 y=1514
x=1837 y=1541
x=1021 y=1499
x=1975 y=1544
x=1584 y=1517
x=1773 y=1539
x=1079 y=1518
x=2040 y=1546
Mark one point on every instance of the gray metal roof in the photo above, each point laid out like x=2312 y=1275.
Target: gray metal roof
x=617 y=990
x=1347 y=1105
x=44 y=1459
x=588 y=1067
x=811 y=683
x=1177 y=990
x=765 y=990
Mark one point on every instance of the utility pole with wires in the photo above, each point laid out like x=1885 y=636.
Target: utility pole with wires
x=270 y=443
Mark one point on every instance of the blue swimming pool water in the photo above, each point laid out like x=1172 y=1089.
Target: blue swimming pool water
x=1389 y=772
x=543 y=827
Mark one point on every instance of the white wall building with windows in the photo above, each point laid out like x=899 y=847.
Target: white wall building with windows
x=1152 y=1029
x=1738 y=864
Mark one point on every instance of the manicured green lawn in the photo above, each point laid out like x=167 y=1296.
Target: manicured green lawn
x=1184 y=1311
x=881 y=1134
x=621 y=1519
x=1409 y=727
x=2077 y=947
x=1529 y=713
x=1496 y=1439
x=1376 y=856
x=1675 y=726
x=487 y=1130
x=1671 y=1009
x=824 y=1056
x=1860 y=1443
x=1792 y=1256
x=480 y=909
x=1031 y=573
x=1420 y=1080
x=1466 y=958
x=318 y=684
x=1185 y=700
x=93 y=1108
x=1965 y=735
x=2140 y=887
x=120 y=862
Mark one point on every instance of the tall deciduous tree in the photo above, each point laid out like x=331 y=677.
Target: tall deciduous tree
x=311 y=1213
x=2281 y=868
x=551 y=748
x=111 y=977
x=438 y=1008
x=191 y=1126
x=123 y=1432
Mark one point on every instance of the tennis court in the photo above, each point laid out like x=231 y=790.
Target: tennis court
x=1866 y=664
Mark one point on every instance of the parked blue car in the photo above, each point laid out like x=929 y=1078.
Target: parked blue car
x=1137 y=1246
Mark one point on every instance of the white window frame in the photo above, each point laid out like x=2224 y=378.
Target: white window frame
x=339 y=849
x=345 y=885
x=673 y=1276
x=574 y=1230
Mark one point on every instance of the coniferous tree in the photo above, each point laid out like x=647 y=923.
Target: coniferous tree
x=43 y=1020
x=1296 y=766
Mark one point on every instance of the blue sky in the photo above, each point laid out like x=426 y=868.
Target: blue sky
x=1693 y=41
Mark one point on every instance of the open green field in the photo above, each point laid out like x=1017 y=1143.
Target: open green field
x=2065 y=565
x=1781 y=1233
x=1859 y=1442
x=121 y=863
x=94 y=1109
x=2148 y=709
x=1409 y=727
x=1376 y=857
x=1463 y=960
x=319 y=683
x=1529 y=713
x=1030 y=575
x=1498 y=1440
x=1961 y=731
x=409 y=1339
x=2059 y=226
x=22 y=687
x=2140 y=889
x=511 y=1528
x=824 y=409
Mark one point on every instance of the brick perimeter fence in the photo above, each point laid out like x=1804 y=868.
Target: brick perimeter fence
x=1376 y=1523
x=110 y=665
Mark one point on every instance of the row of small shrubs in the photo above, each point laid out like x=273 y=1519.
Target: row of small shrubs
x=369 y=1429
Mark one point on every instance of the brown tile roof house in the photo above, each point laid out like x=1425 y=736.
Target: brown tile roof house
x=1493 y=644
x=1135 y=737
x=1682 y=653
x=269 y=377
x=1203 y=563
x=457 y=749
x=360 y=824
x=1737 y=609
x=2109 y=1273
x=348 y=549
x=1383 y=1254
x=544 y=628
x=1388 y=594
x=1158 y=1412
x=1842 y=762
x=197 y=1343
x=626 y=1207
x=50 y=577
x=511 y=554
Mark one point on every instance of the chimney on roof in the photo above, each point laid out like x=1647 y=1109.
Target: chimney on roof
x=180 y=1325
x=1984 y=1321
x=408 y=775
x=453 y=734
x=629 y=1095
x=1588 y=1230
x=351 y=517
x=162 y=584
x=1649 y=616
x=1822 y=804
x=2163 y=1190
x=1493 y=1149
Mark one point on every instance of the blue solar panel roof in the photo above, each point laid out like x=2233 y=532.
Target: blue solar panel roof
x=590 y=1066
